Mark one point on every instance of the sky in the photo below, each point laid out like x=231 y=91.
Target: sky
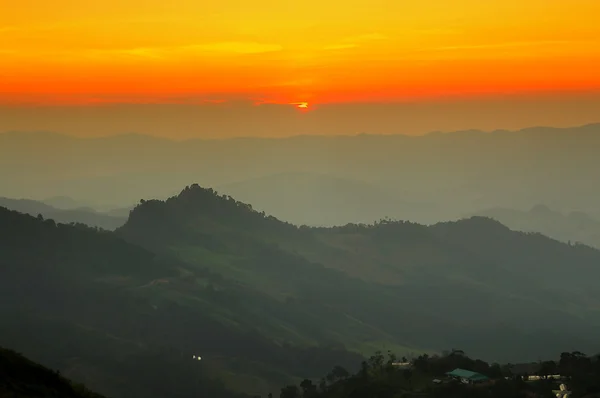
x=120 y=60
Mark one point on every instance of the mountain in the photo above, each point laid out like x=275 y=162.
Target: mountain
x=575 y=226
x=65 y=203
x=322 y=200
x=265 y=303
x=466 y=275
x=85 y=216
x=22 y=378
x=453 y=173
x=127 y=322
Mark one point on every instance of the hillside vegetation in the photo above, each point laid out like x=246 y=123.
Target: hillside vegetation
x=22 y=378
x=573 y=227
x=266 y=303
x=426 y=377
x=403 y=281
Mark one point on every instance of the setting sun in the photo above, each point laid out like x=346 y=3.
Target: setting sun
x=301 y=105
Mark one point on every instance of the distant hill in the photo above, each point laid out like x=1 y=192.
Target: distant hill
x=66 y=203
x=266 y=303
x=85 y=216
x=321 y=200
x=453 y=173
x=572 y=227
x=22 y=378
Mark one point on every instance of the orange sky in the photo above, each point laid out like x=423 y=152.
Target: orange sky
x=314 y=51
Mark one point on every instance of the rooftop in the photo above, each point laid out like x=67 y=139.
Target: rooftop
x=467 y=374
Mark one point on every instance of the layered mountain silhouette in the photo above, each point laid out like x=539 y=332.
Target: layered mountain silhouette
x=452 y=173
x=322 y=200
x=84 y=215
x=575 y=226
x=265 y=303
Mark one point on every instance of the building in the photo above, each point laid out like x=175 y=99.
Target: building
x=402 y=365
x=467 y=376
x=535 y=371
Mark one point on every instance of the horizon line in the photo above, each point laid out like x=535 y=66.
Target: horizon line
x=295 y=136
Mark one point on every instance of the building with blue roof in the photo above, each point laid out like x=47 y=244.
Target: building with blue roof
x=467 y=376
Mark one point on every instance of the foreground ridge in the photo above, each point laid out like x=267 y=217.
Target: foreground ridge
x=22 y=378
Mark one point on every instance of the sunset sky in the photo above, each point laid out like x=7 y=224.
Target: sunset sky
x=318 y=53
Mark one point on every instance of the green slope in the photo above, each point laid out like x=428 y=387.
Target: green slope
x=575 y=226
x=395 y=283
x=266 y=303
x=22 y=378
x=93 y=304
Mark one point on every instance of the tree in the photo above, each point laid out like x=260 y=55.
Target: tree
x=309 y=390
x=548 y=368
x=290 y=392
x=337 y=373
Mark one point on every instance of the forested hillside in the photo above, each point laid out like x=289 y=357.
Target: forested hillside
x=572 y=227
x=266 y=303
x=404 y=280
x=22 y=378
x=427 y=377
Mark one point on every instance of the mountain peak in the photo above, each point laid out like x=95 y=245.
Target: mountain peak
x=196 y=212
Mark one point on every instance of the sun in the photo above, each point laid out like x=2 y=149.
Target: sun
x=303 y=106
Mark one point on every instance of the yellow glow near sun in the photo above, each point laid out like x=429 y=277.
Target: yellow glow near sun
x=302 y=105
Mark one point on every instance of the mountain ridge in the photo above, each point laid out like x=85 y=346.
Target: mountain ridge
x=319 y=239
x=456 y=174
x=588 y=127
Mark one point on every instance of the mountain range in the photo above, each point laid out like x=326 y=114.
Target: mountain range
x=575 y=226
x=438 y=176
x=85 y=215
x=265 y=303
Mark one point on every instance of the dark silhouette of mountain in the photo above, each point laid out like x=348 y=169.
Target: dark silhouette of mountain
x=574 y=227
x=22 y=378
x=266 y=303
x=456 y=173
x=87 y=216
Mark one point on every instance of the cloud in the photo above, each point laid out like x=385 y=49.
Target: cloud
x=340 y=46
x=367 y=37
x=502 y=45
x=142 y=52
x=355 y=41
x=114 y=99
x=437 y=31
x=236 y=47
x=225 y=48
x=158 y=53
